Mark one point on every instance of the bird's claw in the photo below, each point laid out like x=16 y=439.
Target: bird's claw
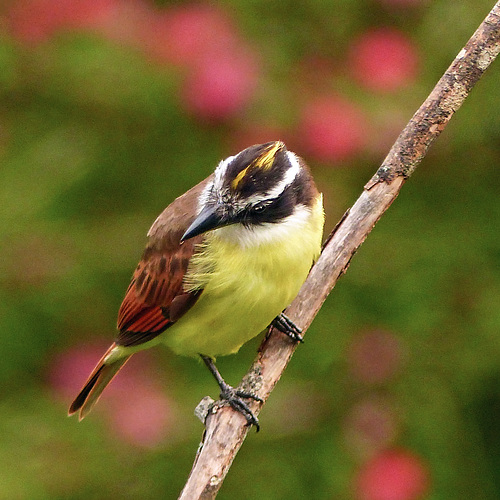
x=234 y=399
x=285 y=325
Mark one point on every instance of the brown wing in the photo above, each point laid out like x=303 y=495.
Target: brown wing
x=155 y=298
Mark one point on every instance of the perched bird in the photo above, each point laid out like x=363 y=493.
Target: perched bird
x=222 y=262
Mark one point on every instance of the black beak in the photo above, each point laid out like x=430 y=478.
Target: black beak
x=207 y=219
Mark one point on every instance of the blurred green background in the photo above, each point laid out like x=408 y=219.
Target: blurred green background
x=109 y=109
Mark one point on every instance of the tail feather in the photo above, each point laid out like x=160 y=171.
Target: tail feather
x=100 y=377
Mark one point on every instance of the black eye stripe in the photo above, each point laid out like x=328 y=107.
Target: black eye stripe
x=269 y=211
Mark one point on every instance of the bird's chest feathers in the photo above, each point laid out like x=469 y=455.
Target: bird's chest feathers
x=248 y=276
x=251 y=271
x=244 y=288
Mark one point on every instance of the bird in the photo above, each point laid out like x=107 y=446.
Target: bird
x=221 y=264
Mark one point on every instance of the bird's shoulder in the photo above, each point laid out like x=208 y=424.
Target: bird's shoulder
x=172 y=223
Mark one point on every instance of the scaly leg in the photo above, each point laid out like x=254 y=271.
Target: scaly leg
x=233 y=396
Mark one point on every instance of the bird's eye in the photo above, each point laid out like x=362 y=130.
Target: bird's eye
x=259 y=208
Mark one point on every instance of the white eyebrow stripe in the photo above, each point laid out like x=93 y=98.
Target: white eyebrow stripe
x=203 y=198
x=290 y=175
x=221 y=170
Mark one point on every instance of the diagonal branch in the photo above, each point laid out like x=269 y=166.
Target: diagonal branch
x=226 y=429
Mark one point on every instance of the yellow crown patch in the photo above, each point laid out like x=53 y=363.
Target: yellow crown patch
x=264 y=161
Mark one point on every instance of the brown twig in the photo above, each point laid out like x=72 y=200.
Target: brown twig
x=226 y=429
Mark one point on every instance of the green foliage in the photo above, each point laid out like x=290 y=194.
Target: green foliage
x=95 y=141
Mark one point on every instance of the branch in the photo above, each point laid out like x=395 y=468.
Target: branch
x=226 y=429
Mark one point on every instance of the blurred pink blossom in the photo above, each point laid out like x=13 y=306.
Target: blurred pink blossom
x=383 y=60
x=332 y=129
x=221 y=85
x=34 y=21
x=143 y=416
x=221 y=69
x=393 y=475
x=185 y=34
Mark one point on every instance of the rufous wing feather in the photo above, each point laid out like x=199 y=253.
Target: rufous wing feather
x=156 y=298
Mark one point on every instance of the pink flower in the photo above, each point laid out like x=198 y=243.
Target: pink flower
x=393 y=475
x=143 y=416
x=332 y=129
x=383 y=60
x=34 y=21
x=184 y=34
x=221 y=85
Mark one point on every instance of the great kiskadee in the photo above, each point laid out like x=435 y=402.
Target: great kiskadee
x=222 y=262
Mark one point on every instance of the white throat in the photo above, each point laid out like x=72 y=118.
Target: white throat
x=267 y=233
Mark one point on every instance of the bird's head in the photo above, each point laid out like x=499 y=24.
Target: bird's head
x=262 y=185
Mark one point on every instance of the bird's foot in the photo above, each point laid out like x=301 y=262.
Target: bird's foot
x=285 y=325
x=235 y=397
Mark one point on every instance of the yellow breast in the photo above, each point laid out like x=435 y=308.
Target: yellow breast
x=247 y=280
